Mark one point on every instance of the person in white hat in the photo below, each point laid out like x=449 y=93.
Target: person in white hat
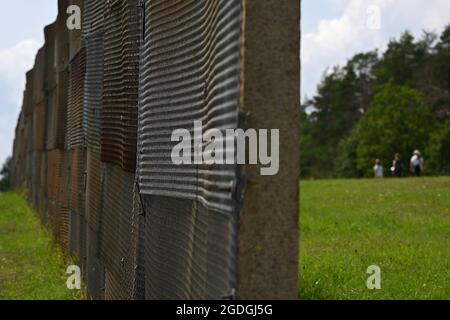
x=416 y=163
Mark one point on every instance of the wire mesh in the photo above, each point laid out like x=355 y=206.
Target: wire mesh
x=191 y=252
x=77 y=142
x=75 y=133
x=118 y=249
x=190 y=72
x=120 y=90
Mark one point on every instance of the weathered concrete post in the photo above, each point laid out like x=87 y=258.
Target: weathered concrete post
x=268 y=236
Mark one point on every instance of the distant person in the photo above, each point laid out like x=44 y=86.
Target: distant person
x=397 y=167
x=378 y=169
x=416 y=163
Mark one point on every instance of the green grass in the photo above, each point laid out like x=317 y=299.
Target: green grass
x=31 y=265
x=402 y=226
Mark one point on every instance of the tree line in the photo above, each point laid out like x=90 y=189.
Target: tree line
x=377 y=105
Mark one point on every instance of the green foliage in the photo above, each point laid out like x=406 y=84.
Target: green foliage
x=5 y=175
x=346 y=162
x=339 y=104
x=414 y=71
x=397 y=122
x=438 y=150
x=400 y=225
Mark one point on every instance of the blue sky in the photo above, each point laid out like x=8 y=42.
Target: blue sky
x=21 y=34
x=333 y=30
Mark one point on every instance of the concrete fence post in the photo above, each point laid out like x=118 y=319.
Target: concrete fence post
x=268 y=236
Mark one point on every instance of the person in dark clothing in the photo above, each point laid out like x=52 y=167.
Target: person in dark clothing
x=397 y=167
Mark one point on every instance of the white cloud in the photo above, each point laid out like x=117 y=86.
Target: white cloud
x=335 y=40
x=14 y=63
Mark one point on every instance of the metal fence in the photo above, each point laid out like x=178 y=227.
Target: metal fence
x=93 y=145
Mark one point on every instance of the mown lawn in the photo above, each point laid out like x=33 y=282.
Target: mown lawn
x=31 y=266
x=402 y=226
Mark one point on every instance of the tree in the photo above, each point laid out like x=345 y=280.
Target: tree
x=5 y=173
x=402 y=60
x=397 y=122
x=346 y=162
x=342 y=98
x=438 y=151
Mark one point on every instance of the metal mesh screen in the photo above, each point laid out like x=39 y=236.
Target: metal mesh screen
x=191 y=252
x=63 y=218
x=118 y=228
x=93 y=91
x=54 y=167
x=75 y=133
x=190 y=71
x=97 y=105
x=119 y=125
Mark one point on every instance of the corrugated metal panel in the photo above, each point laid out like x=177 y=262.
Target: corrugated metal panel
x=52 y=119
x=119 y=125
x=190 y=71
x=75 y=133
x=62 y=102
x=93 y=90
x=93 y=18
x=118 y=228
x=95 y=278
x=191 y=252
x=50 y=42
x=62 y=37
x=39 y=127
x=28 y=105
x=94 y=188
x=63 y=203
x=39 y=76
x=54 y=167
x=77 y=197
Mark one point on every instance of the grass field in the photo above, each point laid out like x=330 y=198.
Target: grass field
x=402 y=226
x=31 y=267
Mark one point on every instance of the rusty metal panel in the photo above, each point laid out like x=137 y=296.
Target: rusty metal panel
x=78 y=181
x=52 y=120
x=120 y=90
x=39 y=127
x=39 y=77
x=50 y=64
x=42 y=189
x=190 y=71
x=77 y=207
x=75 y=133
x=62 y=37
x=28 y=104
x=62 y=101
x=63 y=203
x=54 y=167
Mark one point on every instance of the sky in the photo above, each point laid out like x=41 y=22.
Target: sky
x=333 y=31
x=22 y=25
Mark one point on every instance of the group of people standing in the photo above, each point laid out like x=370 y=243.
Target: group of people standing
x=415 y=164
